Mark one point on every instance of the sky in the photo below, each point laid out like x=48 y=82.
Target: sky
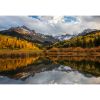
x=52 y=25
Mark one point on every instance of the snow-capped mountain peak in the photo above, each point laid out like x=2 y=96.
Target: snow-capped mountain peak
x=64 y=37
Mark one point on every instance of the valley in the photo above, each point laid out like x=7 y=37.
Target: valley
x=22 y=41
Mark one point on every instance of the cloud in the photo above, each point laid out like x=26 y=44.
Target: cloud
x=52 y=25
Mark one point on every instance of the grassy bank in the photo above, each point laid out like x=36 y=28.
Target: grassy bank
x=74 y=51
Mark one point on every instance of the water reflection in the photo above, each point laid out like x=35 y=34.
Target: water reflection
x=22 y=68
x=58 y=77
x=86 y=65
x=51 y=69
x=8 y=64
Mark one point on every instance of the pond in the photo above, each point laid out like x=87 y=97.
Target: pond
x=50 y=70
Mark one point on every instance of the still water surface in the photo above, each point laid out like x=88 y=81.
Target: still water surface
x=50 y=70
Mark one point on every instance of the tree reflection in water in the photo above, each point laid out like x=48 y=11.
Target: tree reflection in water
x=22 y=68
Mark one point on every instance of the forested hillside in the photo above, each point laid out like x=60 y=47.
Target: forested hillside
x=87 y=41
x=8 y=42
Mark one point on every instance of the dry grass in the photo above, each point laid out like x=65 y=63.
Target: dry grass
x=18 y=53
x=74 y=51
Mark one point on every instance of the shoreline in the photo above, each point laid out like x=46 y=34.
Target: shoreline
x=19 y=53
x=66 y=52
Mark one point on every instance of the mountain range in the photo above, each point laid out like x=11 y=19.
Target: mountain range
x=29 y=35
x=23 y=37
x=64 y=37
x=87 y=31
x=87 y=39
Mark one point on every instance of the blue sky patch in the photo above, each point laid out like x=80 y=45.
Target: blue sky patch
x=37 y=17
x=70 y=19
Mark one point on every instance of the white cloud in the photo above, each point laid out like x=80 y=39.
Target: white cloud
x=55 y=25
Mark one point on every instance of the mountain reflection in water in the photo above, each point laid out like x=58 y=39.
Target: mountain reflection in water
x=50 y=70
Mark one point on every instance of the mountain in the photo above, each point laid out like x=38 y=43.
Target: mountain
x=87 y=40
x=87 y=31
x=29 y=35
x=64 y=37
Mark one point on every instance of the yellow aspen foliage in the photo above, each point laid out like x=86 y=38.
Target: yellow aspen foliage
x=8 y=42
